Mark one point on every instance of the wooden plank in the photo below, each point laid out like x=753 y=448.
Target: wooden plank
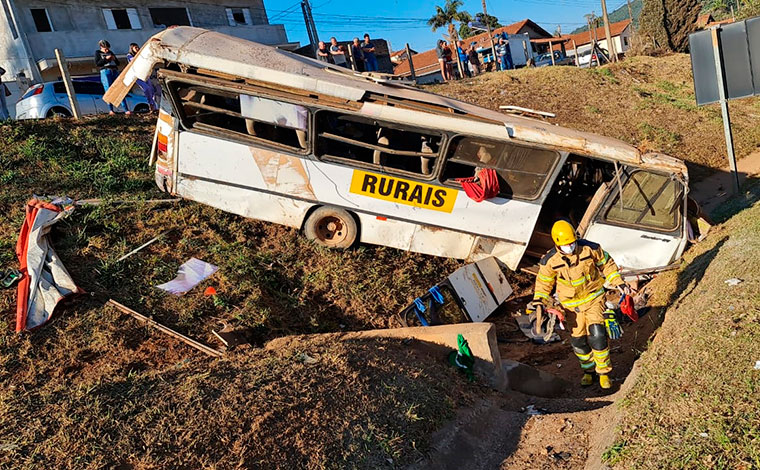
x=199 y=346
x=64 y=66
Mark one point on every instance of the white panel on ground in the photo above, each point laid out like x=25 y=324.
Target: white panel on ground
x=473 y=292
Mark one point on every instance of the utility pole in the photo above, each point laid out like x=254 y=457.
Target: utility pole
x=455 y=49
x=311 y=28
x=411 y=63
x=589 y=20
x=610 y=45
x=630 y=12
x=488 y=28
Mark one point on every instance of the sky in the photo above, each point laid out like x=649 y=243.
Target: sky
x=400 y=21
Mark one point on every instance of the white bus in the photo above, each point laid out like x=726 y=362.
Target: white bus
x=350 y=157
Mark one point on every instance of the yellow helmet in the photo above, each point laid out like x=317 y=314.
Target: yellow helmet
x=563 y=233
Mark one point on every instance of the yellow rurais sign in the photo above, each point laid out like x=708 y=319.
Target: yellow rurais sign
x=403 y=191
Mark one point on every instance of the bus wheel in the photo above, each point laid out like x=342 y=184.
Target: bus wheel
x=331 y=227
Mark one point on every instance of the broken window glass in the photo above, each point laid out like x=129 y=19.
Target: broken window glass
x=522 y=171
x=236 y=114
x=650 y=200
x=371 y=144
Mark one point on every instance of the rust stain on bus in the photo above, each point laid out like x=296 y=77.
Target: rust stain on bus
x=271 y=165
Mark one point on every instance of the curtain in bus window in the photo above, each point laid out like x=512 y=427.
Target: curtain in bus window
x=522 y=170
x=650 y=200
x=274 y=112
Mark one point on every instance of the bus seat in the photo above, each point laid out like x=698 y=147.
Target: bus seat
x=377 y=157
x=425 y=162
x=302 y=140
x=250 y=126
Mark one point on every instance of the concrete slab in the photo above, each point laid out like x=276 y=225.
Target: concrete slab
x=481 y=338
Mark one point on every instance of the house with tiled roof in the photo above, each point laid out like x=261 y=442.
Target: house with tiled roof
x=620 y=32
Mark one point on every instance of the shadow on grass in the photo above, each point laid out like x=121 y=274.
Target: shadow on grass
x=689 y=278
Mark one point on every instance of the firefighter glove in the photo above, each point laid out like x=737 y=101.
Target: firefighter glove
x=614 y=330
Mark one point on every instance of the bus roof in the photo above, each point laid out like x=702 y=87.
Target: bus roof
x=228 y=55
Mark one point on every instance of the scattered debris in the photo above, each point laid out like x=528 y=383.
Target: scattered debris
x=190 y=274
x=531 y=410
x=146 y=244
x=703 y=434
x=230 y=337
x=757 y=365
x=98 y=201
x=471 y=293
x=10 y=277
x=527 y=327
x=568 y=424
x=199 y=346
x=306 y=359
x=734 y=281
x=462 y=358
x=45 y=281
x=561 y=455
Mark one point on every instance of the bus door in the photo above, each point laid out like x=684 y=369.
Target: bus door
x=646 y=228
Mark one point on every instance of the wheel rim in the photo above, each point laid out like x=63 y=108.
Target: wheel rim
x=331 y=230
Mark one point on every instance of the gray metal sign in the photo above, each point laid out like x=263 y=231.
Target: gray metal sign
x=740 y=50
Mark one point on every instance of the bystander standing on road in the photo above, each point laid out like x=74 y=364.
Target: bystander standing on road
x=370 y=59
x=108 y=64
x=4 y=92
x=463 y=58
x=358 y=56
x=473 y=60
x=338 y=55
x=439 y=52
x=146 y=86
x=505 y=57
x=323 y=53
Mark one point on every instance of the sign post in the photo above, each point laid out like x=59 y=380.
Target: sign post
x=722 y=96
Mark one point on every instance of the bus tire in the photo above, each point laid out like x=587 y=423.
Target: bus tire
x=331 y=227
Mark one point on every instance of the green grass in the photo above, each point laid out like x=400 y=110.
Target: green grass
x=694 y=404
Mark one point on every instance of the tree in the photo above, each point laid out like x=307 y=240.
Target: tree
x=667 y=23
x=465 y=31
x=447 y=15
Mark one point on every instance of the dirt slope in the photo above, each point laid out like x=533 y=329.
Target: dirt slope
x=645 y=101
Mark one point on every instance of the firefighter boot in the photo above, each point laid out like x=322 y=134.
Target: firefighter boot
x=583 y=351
x=604 y=381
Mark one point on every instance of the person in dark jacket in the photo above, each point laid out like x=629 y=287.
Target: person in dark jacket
x=108 y=64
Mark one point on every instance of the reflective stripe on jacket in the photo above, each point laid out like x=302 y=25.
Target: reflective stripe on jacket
x=579 y=278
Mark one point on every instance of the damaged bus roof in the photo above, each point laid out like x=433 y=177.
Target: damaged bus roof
x=267 y=66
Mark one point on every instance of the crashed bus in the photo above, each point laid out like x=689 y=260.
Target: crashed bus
x=348 y=157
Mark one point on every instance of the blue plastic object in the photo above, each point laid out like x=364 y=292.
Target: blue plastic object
x=437 y=296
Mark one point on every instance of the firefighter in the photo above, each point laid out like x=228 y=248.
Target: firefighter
x=579 y=269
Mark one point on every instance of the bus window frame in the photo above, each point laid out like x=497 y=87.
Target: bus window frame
x=219 y=132
x=434 y=173
x=611 y=200
x=551 y=174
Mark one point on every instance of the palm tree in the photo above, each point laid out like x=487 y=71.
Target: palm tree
x=446 y=16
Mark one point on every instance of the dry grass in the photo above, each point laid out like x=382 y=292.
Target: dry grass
x=96 y=391
x=695 y=402
x=645 y=101
x=91 y=390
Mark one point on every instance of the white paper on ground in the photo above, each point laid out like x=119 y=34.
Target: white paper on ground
x=190 y=274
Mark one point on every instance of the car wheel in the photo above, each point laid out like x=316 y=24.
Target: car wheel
x=331 y=227
x=59 y=113
x=142 y=108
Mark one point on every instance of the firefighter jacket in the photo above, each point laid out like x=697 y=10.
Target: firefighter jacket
x=579 y=278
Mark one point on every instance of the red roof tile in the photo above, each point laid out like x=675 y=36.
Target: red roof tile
x=583 y=38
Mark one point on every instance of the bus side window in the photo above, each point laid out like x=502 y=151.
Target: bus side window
x=362 y=141
x=234 y=113
x=522 y=171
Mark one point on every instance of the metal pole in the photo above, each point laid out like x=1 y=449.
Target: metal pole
x=575 y=48
x=488 y=28
x=63 y=65
x=411 y=63
x=724 y=106
x=551 y=52
x=610 y=44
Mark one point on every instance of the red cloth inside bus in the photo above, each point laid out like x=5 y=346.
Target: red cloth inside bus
x=481 y=187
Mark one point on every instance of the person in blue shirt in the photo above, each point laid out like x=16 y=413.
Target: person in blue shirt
x=145 y=85
x=505 y=55
x=370 y=61
x=463 y=58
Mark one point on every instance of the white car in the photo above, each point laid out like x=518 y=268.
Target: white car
x=587 y=59
x=49 y=99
